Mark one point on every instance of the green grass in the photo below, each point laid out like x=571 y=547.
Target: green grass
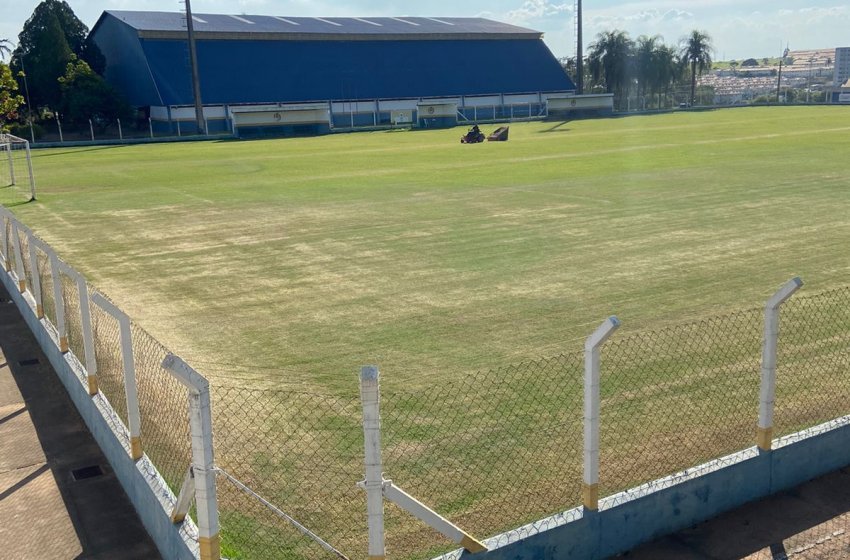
x=299 y=260
x=284 y=263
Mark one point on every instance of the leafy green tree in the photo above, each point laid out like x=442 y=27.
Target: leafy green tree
x=10 y=100
x=49 y=37
x=610 y=62
x=75 y=31
x=85 y=95
x=696 y=50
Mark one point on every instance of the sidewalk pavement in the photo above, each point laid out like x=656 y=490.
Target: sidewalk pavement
x=59 y=498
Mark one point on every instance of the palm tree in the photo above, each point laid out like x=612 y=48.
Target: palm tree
x=5 y=48
x=666 y=70
x=645 y=49
x=696 y=49
x=610 y=59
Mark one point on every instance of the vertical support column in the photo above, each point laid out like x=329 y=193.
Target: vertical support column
x=88 y=335
x=767 y=392
x=59 y=301
x=19 y=257
x=203 y=461
x=85 y=319
x=4 y=243
x=370 y=398
x=11 y=162
x=129 y=367
x=590 y=487
x=32 y=242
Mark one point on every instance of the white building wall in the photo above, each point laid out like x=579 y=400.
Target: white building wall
x=841 y=73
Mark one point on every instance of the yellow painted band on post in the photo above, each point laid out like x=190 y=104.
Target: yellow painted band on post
x=765 y=439
x=136 y=448
x=63 y=344
x=22 y=285
x=590 y=496
x=471 y=544
x=39 y=311
x=210 y=547
x=375 y=557
x=92 y=385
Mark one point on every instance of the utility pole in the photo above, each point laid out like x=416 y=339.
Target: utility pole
x=579 y=52
x=779 y=81
x=193 y=61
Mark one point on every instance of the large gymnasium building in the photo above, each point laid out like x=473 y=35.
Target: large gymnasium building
x=264 y=75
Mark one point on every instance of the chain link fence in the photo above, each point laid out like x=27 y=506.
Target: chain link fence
x=489 y=451
x=303 y=453
x=813 y=372
x=678 y=397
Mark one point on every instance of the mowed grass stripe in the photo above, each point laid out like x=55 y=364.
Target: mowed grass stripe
x=309 y=257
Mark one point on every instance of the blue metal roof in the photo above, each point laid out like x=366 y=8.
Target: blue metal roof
x=247 y=68
x=146 y=22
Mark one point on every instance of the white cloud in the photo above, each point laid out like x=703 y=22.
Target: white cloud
x=538 y=9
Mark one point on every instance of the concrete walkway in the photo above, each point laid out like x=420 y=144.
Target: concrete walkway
x=810 y=522
x=58 y=496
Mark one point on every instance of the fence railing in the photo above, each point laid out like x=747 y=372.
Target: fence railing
x=127 y=370
x=458 y=459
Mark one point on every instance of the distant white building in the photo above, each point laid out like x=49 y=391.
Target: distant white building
x=841 y=73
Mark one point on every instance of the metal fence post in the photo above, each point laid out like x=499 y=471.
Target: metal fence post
x=19 y=258
x=29 y=167
x=85 y=319
x=203 y=461
x=11 y=163
x=130 y=390
x=4 y=243
x=767 y=393
x=370 y=398
x=58 y=300
x=590 y=488
x=36 y=279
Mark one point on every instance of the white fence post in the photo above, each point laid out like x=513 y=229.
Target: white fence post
x=130 y=390
x=85 y=319
x=590 y=488
x=58 y=300
x=11 y=163
x=32 y=243
x=19 y=258
x=29 y=167
x=4 y=242
x=767 y=393
x=203 y=461
x=370 y=398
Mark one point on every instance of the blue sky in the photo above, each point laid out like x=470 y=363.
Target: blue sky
x=740 y=28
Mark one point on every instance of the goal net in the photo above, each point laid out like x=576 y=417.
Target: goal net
x=16 y=167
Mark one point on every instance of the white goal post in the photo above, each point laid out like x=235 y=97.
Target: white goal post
x=16 y=163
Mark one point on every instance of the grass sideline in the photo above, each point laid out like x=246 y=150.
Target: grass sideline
x=296 y=261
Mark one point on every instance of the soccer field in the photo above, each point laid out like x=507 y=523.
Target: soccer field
x=295 y=261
